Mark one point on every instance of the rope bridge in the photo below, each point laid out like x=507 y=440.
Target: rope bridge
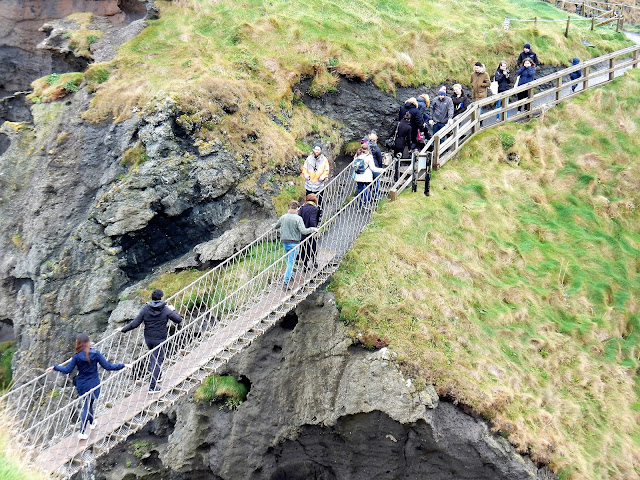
x=223 y=311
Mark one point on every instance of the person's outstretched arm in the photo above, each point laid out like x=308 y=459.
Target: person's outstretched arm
x=134 y=324
x=104 y=363
x=67 y=369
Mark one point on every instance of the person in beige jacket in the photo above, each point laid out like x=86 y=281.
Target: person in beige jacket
x=480 y=82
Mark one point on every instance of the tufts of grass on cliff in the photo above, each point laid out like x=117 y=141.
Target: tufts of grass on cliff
x=12 y=462
x=225 y=389
x=514 y=288
x=231 y=66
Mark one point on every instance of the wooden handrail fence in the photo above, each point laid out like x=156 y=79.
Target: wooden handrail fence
x=448 y=141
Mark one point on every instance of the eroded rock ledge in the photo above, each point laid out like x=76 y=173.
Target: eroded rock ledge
x=320 y=408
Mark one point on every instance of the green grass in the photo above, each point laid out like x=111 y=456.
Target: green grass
x=224 y=389
x=12 y=463
x=514 y=288
x=7 y=349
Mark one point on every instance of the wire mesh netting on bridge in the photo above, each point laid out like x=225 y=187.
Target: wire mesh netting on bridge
x=223 y=311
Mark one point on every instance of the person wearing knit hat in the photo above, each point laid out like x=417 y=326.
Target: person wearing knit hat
x=527 y=53
x=316 y=171
x=441 y=110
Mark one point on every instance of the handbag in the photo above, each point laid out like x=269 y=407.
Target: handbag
x=517 y=81
x=419 y=136
x=494 y=87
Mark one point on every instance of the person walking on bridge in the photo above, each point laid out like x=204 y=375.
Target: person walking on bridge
x=155 y=316
x=87 y=360
x=316 y=170
x=311 y=215
x=292 y=228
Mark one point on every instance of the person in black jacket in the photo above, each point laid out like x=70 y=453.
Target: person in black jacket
x=311 y=215
x=155 y=315
x=502 y=77
x=527 y=53
x=401 y=139
x=459 y=99
x=87 y=360
x=411 y=106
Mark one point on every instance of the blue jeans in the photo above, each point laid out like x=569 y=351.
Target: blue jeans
x=437 y=126
x=291 y=250
x=87 y=418
x=364 y=200
x=155 y=360
x=498 y=105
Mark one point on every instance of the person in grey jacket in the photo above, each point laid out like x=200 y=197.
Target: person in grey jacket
x=441 y=110
x=155 y=316
x=292 y=228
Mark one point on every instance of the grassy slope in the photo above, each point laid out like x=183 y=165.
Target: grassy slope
x=231 y=66
x=514 y=288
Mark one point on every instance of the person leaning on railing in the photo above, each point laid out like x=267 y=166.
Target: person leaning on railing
x=87 y=360
x=526 y=73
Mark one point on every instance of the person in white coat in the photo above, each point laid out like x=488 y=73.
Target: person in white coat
x=365 y=167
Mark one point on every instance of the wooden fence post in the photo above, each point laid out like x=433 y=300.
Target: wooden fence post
x=612 y=73
x=535 y=24
x=566 y=31
x=435 y=158
x=585 y=84
x=635 y=59
x=593 y=23
x=456 y=145
x=559 y=87
x=474 y=119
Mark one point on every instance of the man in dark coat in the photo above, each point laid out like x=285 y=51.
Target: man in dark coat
x=527 y=53
x=411 y=106
x=155 y=315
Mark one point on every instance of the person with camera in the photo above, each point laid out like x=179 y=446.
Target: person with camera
x=502 y=77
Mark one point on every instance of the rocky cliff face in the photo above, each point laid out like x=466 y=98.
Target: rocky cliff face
x=319 y=408
x=21 y=31
x=79 y=223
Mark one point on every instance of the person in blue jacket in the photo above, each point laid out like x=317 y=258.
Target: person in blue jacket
x=526 y=72
x=575 y=75
x=87 y=360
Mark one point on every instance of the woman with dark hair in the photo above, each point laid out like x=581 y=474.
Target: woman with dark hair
x=502 y=77
x=87 y=360
x=526 y=73
x=310 y=214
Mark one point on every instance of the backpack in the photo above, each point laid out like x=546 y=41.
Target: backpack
x=360 y=164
